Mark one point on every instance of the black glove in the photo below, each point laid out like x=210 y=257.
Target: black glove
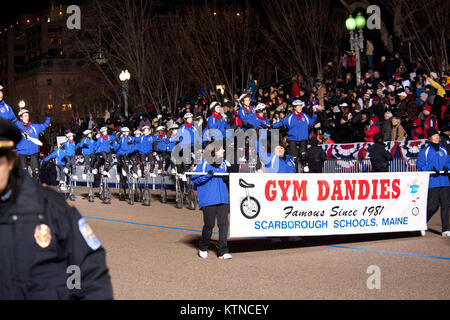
x=46 y=113
x=112 y=149
x=226 y=179
x=130 y=142
x=211 y=173
x=445 y=171
x=436 y=172
x=84 y=146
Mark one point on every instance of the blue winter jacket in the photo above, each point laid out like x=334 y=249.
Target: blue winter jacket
x=161 y=143
x=144 y=144
x=297 y=129
x=58 y=155
x=219 y=127
x=69 y=148
x=125 y=145
x=189 y=136
x=103 y=144
x=89 y=142
x=6 y=112
x=428 y=159
x=247 y=117
x=211 y=190
x=33 y=130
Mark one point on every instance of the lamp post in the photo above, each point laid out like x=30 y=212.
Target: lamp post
x=22 y=104
x=125 y=77
x=356 y=40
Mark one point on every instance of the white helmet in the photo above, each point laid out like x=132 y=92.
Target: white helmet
x=125 y=129
x=21 y=112
x=86 y=132
x=161 y=128
x=260 y=106
x=298 y=103
x=213 y=105
x=188 y=115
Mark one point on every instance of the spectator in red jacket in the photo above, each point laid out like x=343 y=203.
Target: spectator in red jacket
x=430 y=120
x=372 y=130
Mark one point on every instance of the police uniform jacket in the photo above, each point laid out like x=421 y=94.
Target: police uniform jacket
x=41 y=239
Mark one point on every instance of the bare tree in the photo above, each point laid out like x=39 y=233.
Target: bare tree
x=303 y=33
x=219 y=45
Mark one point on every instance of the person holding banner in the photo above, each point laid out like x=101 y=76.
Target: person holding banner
x=212 y=191
x=435 y=158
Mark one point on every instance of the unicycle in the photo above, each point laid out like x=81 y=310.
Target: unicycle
x=250 y=206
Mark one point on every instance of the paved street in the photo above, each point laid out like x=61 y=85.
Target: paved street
x=152 y=254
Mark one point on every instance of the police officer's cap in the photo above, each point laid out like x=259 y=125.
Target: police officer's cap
x=10 y=136
x=188 y=115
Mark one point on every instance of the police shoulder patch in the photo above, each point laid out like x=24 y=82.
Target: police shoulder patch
x=88 y=235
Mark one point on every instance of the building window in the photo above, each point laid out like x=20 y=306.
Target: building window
x=49 y=106
x=49 y=82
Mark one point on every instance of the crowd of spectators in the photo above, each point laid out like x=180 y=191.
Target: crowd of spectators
x=394 y=101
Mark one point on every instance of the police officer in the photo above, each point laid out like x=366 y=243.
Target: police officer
x=6 y=111
x=42 y=236
x=435 y=158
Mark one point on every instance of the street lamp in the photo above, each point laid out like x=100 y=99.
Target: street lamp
x=22 y=104
x=125 y=77
x=356 y=40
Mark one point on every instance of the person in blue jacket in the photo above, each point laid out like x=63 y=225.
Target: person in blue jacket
x=190 y=142
x=87 y=150
x=144 y=146
x=435 y=158
x=103 y=151
x=28 y=151
x=213 y=200
x=69 y=150
x=124 y=149
x=60 y=161
x=298 y=124
x=172 y=140
x=278 y=161
x=161 y=141
x=217 y=126
x=6 y=112
x=246 y=112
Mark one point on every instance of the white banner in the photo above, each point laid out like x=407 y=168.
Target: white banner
x=278 y=205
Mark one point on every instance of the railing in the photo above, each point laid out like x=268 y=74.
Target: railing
x=360 y=166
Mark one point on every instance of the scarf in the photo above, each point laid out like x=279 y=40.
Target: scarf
x=299 y=117
x=217 y=116
x=189 y=125
x=261 y=117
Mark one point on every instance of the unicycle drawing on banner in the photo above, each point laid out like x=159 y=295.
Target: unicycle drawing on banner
x=250 y=206
x=415 y=196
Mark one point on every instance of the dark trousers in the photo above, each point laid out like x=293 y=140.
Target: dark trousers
x=209 y=216
x=439 y=196
x=32 y=161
